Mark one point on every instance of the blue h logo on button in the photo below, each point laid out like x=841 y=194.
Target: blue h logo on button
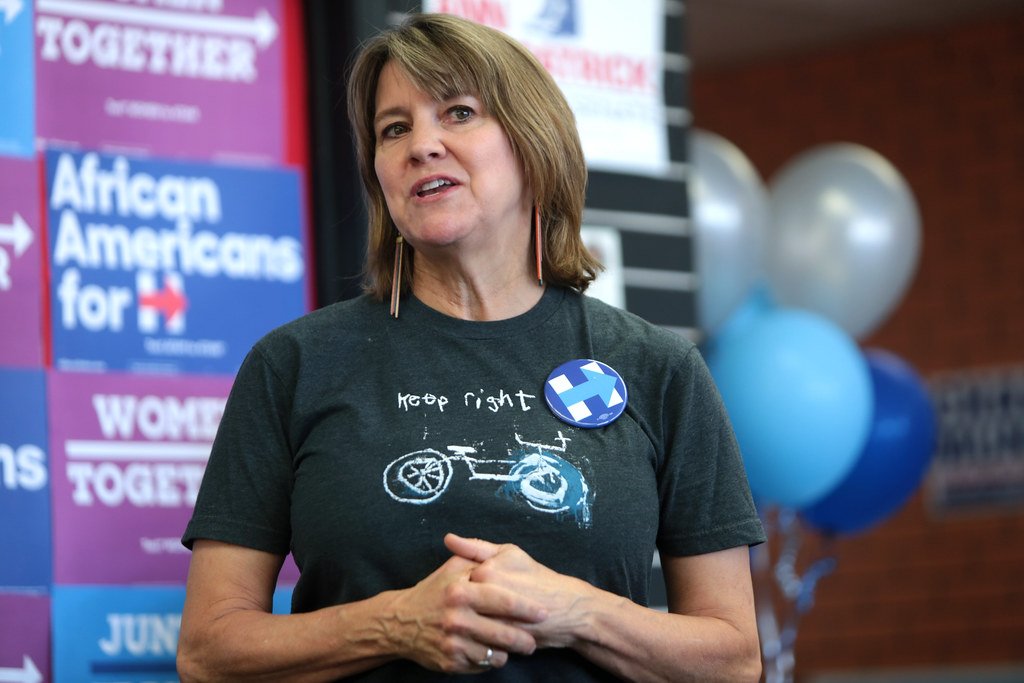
x=585 y=393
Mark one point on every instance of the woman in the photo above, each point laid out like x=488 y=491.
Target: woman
x=445 y=519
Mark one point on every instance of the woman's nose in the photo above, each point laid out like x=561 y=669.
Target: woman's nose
x=426 y=143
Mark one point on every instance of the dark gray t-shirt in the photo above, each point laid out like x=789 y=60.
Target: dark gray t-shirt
x=356 y=441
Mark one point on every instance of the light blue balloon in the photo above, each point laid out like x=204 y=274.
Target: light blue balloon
x=798 y=391
x=758 y=303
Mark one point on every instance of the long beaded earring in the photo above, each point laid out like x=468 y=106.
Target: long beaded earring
x=396 y=276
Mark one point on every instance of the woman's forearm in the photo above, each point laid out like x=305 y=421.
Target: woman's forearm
x=252 y=645
x=708 y=634
x=642 y=644
x=443 y=623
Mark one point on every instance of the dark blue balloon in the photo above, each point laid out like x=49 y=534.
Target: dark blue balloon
x=895 y=457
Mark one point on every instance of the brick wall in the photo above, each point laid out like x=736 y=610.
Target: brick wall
x=947 y=109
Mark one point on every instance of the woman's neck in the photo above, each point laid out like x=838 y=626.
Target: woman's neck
x=476 y=292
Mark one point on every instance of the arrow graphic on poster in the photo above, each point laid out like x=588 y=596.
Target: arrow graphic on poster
x=168 y=301
x=11 y=9
x=18 y=234
x=28 y=673
x=262 y=28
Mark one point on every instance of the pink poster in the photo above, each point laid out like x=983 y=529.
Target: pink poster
x=24 y=637
x=128 y=455
x=21 y=280
x=200 y=79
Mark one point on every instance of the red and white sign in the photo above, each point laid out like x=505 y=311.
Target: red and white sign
x=608 y=59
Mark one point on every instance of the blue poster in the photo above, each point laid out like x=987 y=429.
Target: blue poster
x=163 y=266
x=25 y=534
x=121 y=633
x=17 y=76
x=116 y=634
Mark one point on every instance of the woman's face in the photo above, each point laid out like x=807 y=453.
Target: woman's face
x=447 y=170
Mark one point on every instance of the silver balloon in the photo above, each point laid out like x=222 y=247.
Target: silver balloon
x=730 y=213
x=844 y=236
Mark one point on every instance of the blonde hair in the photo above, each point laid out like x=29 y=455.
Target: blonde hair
x=446 y=56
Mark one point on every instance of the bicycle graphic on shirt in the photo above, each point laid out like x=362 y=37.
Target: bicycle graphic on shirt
x=547 y=482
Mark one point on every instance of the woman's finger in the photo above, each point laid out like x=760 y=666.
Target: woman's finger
x=475 y=549
x=499 y=602
x=462 y=631
x=491 y=659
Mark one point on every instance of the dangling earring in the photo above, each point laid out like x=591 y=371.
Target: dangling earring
x=396 y=276
x=537 y=245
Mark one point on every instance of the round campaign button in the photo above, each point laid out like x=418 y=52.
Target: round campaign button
x=585 y=393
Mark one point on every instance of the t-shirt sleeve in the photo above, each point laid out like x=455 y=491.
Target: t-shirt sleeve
x=705 y=500
x=245 y=494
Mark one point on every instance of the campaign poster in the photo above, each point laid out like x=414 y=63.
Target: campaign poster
x=977 y=467
x=24 y=637
x=25 y=534
x=125 y=634
x=17 y=80
x=21 y=278
x=605 y=244
x=608 y=59
x=169 y=267
x=201 y=79
x=129 y=452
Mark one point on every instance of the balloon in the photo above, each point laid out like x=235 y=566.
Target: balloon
x=798 y=392
x=844 y=236
x=895 y=457
x=758 y=303
x=730 y=214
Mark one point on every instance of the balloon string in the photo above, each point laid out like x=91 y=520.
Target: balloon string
x=778 y=636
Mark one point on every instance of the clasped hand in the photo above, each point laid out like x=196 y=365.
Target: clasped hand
x=486 y=598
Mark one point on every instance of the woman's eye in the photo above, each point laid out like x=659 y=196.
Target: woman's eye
x=392 y=130
x=461 y=112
